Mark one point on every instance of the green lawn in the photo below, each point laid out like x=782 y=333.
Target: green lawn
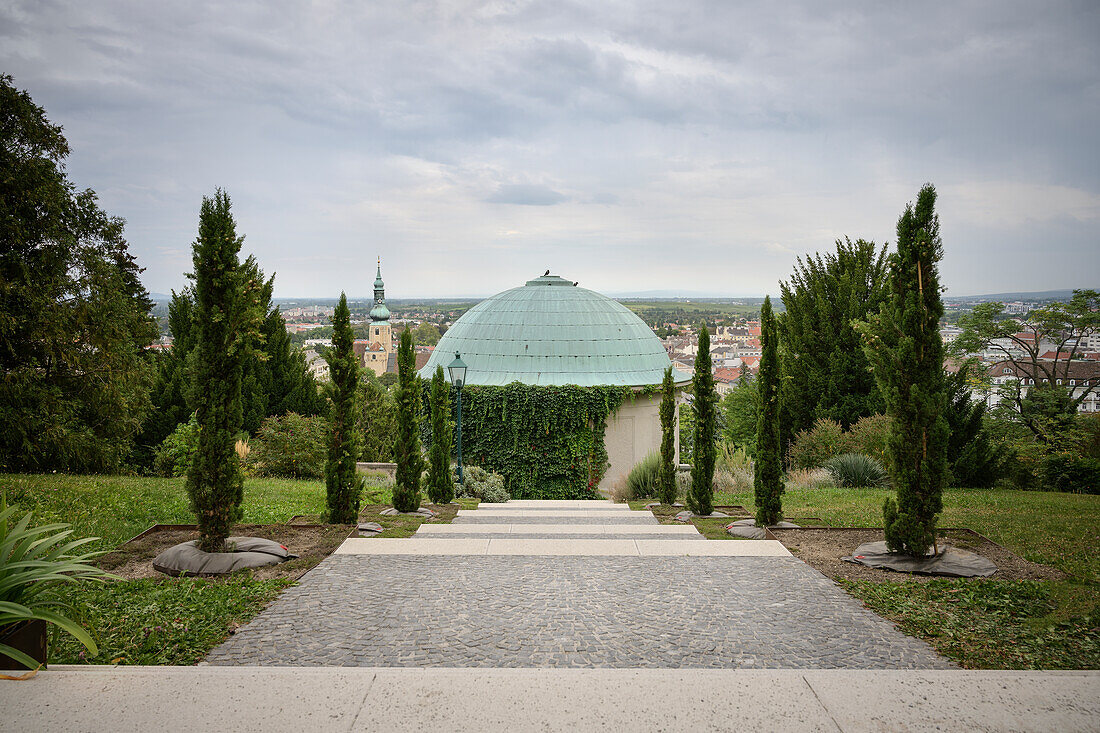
x=160 y=620
x=1061 y=530
x=987 y=624
x=118 y=507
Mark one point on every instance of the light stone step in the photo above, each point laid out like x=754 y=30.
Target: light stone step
x=552 y=504
x=535 y=534
x=587 y=529
x=634 y=518
x=545 y=547
x=511 y=513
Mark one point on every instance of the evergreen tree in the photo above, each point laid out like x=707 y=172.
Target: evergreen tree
x=972 y=459
x=74 y=317
x=171 y=394
x=410 y=463
x=343 y=486
x=666 y=473
x=903 y=345
x=275 y=379
x=768 y=468
x=226 y=317
x=700 y=499
x=824 y=372
x=441 y=488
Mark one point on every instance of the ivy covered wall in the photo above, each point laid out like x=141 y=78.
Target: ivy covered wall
x=547 y=442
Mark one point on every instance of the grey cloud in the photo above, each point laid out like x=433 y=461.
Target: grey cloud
x=526 y=195
x=380 y=127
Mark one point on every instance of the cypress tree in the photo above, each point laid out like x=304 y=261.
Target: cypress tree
x=343 y=486
x=441 y=488
x=904 y=347
x=666 y=473
x=767 y=479
x=410 y=464
x=226 y=317
x=700 y=499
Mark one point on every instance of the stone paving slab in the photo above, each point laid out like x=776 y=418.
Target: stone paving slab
x=476 y=517
x=557 y=546
x=719 y=548
x=681 y=530
x=554 y=504
x=529 y=611
x=562 y=514
x=536 y=533
x=278 y=699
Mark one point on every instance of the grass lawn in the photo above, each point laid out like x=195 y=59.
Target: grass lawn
x=161 y=620
x=989 y=624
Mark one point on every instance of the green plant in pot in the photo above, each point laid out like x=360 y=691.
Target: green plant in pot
x=34 y=561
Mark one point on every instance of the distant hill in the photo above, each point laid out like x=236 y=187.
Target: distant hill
x=1003 y=297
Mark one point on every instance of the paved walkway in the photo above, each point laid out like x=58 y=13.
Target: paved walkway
x=568 y=584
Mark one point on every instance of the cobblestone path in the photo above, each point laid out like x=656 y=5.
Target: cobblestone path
x=570 y=611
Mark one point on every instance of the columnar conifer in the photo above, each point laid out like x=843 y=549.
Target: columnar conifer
x=343 y=486
x=768 y=481
x=903 y=345
x=700 y=499
x=441 y=488
x=410 y=464
x=666 y=473
x=227 y=317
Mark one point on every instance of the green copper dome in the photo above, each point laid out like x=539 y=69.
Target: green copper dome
x=550 y=332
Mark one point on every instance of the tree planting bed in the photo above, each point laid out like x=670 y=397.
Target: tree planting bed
x=823 y=547
x=312 y=543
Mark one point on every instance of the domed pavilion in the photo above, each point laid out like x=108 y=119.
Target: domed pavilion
x=550 y=332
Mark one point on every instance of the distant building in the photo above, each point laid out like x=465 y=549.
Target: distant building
x=377 y=352
x=1080 y=376
x=317 y=365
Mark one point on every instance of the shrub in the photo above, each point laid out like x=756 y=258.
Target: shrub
x=869 y=436
x=733 y=458
x=290 y=446
x=812 y=448
x=1072 y=474
x=641 y=482
x=683 y=482
x=733 y=480
x=481 y=484
x=174 y=454
x=853 y=470
x=34 y=562
x=810 y=478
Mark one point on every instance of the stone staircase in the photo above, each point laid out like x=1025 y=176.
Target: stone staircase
x=535 y=527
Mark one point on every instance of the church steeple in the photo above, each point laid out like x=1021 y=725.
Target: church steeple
x=379 y=312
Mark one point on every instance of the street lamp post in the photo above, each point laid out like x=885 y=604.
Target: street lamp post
x=457 y=370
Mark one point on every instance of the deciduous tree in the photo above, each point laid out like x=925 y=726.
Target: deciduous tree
x=903 y=344
x=343 y=486
x=74 y=317
x=1023 y=344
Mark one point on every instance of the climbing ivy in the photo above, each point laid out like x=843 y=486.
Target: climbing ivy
x=547 y=442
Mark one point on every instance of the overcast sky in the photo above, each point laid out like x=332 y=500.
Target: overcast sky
x=697 y=147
